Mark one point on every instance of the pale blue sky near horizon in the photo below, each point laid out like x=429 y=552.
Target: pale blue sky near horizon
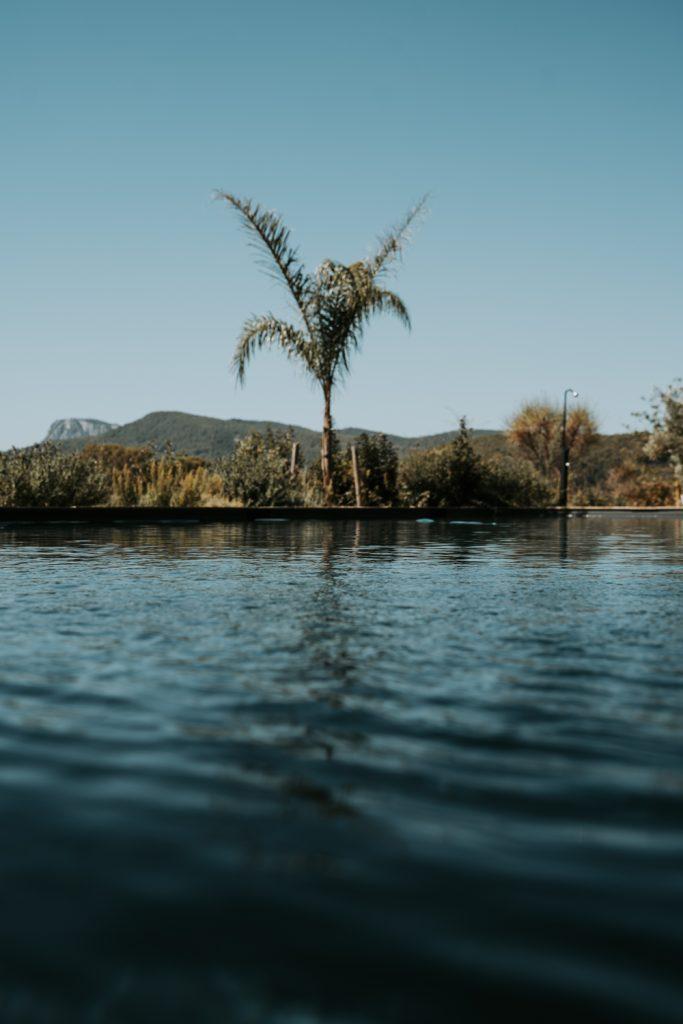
x=547 y=132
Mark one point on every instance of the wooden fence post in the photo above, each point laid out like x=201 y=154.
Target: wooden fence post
x=294 y=458
x=356 y=475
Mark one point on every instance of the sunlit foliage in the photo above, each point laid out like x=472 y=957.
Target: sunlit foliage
x=665 y=419
x=536 y=431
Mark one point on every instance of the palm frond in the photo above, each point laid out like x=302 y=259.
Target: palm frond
x=340 y=292
x=347 y=299
x=267 y=331
x=392 y=244
x=336 y=303
x=271 y=238
x=382 y=300
x=373 y=301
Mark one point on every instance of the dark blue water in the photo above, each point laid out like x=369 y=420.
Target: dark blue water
x=374 y=772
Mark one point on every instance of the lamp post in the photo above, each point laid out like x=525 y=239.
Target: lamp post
x=564 y=476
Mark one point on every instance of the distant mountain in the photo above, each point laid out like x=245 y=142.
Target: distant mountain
x=211 y=437
x=67 y=430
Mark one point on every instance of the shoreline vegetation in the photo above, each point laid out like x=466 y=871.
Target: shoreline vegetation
x=268 y=470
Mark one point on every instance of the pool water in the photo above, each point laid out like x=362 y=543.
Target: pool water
x=342 y=773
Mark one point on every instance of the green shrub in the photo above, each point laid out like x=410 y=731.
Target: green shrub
x=456 y=474
x=513 y=482
x=451 y=475
x=44 y=476
x=377 y=468
x=258 y=471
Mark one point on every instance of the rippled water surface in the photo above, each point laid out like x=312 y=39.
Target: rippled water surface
x=298 y=772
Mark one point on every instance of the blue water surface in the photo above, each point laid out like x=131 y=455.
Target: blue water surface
x=343 y=773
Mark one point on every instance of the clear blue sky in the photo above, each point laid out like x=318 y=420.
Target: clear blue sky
x=549 y=133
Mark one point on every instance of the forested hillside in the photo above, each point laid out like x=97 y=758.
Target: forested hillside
x=211 y=437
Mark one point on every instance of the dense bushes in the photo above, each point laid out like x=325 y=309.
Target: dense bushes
x=631 y=483
x=456 y=474
x=450 y=475
x=513 y=482
x=258 y=472
x=44 y=476
x=378 y=468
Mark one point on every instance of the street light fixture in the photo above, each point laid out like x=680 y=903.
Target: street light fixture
x=564 y=477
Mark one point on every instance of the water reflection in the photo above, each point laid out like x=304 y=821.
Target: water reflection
x=246 y=763
x=376 y=540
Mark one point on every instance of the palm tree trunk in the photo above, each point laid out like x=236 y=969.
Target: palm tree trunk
x=326 y=444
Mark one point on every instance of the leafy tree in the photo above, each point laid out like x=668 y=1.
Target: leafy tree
x=333 y=305
x=536 y=430
x=665 y=419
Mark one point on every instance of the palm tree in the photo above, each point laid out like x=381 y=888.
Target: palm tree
x=333 y=306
